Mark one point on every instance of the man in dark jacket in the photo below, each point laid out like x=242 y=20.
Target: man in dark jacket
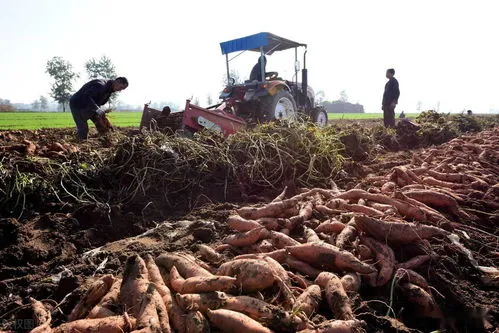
x=256 y=72
x=390 y=98
x=86 y=103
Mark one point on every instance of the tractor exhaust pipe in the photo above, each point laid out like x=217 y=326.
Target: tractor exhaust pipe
x=304 y=76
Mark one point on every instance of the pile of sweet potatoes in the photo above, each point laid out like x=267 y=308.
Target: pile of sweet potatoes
x=294 y=257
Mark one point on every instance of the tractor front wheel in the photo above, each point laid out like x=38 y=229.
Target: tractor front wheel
x=280 y=106
x=319 y=117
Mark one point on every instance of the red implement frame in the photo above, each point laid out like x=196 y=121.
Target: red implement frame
x=226 y=122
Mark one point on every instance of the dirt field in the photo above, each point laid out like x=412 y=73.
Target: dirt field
x=53 y=246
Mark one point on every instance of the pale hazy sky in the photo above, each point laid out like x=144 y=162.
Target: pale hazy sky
x=443 y=51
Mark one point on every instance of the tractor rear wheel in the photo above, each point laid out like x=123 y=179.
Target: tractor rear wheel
x=319 y=117
x=280 y=106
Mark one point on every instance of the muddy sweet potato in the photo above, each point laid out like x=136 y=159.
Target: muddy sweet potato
x=147 y=314
x=272 y=209
x=108 y=304
x=231 y=321
x=195 y=322
x=156 y=278
x=247 y=238
x=423 y=301
x=397 y=232
x=202 y=302
x=385 y=259
x=322 y=254
x=209 y=254
x=251 y=274
x=280 y=240
x=338 y=326
x=200 y=284
x=351 y=282
x=134 y=285
x=41 y=317
x=237 y=223
x=309 y=300
x=115 y=324
x=330 y=227
x=185 y=266
x=415 y=262
x=92 y=297
x=337 y=299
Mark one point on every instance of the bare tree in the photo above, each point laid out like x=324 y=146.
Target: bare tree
x=419 y=105
x=343 y=96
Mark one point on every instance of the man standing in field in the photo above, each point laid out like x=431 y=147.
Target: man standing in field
x=86 y=103
x=390 y=98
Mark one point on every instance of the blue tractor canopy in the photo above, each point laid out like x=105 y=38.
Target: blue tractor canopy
x=265 y=43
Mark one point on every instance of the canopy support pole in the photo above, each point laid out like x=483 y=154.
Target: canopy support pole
x=262 y=63
x=228 y=72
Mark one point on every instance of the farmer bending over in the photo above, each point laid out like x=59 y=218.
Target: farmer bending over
x=85 y=103
x=390 y=98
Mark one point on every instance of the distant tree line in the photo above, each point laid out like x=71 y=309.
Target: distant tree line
x=6 y=105
x=341 y=105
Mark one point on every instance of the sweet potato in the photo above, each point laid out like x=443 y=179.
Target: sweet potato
x=271 y=223
x=397 y=232
x=41 y=317
x=304 y=214
x=381 y=207
x=388 y=187
x=435 y=182
x=451 y=177
x=269 y=210
x=231 y=321
x=337 y=326
x=115 y=324
x=434 y=199
x=364 y=252
x=385 y=259
x=327 y=211
x=337 y=299
x=309 y=300
x=108 y=303
x=351 y=282
x=134 y=285
x=279 y=255
x=156 y=278
x=246 y=238
x=325 y=255
x=195 y=322
x=251 y=274
x=282 y=195
x=92 y=297
x=262 y=246
x=346 y=236
x=301 y=266
x=270 y=315
x=202 y=302
x=177 y=317
x=407 y=275
x=415 y=262
x=330 y=226
x=311 y=236
x=147 y=315
x=417 y=296
x=187 y=268
x=404 y=208
x=236 y=222
x=280 y=240
x=209 y=254
x=200 y=284
x=342 y=204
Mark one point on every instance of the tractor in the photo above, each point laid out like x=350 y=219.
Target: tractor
x=264 y=98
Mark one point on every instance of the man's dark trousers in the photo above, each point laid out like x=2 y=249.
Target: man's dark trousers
x=389 y=115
